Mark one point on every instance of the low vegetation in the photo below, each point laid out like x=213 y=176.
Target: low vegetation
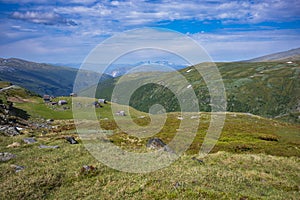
x=254 y=158
x=268 y=89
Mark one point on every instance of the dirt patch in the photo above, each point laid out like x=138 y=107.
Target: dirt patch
x=18 y=99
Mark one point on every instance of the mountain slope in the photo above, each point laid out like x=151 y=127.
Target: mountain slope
x=42 y=78
x=269 y=89
x=291 y=55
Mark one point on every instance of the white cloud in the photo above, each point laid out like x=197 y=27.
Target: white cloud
x=98 y=19
x=247 y=44
x=47 y=18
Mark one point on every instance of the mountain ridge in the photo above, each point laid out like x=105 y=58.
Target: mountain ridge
x=43 y=78
x=290 y=55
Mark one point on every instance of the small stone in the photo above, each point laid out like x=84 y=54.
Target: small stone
x=156 y=143
x=87 y=168
x=29 y=140
x=17 y=168
x=14 y=144
x=6 y=156
x=71 y=140
x=198 y=160
x=50 y=120
x=48 y=147
x=19 y=128
x=121 y=113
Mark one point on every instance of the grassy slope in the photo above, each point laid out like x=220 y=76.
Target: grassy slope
x=246 y=164
x=43 y=78
x=269 y=89
x=56 y=174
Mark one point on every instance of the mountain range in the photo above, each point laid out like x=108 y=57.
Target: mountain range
x=289 y=56
x=266 y=86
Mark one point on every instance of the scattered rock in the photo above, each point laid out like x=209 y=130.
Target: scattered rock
x=71 y=140
x=19 y=129
x=198 y=160
x=6 y=156
x=50 y=120
x=17 y=168
x=88 y=169
x=48 y=147
x=156 y=143
x=9 y=130
x=29 y=140
x=14 y=144
x=121 y=113
x=177 y=185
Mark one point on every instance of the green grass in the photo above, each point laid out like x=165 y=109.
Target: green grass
x=242 y=133
x=269 y=89
x=254 y=158
x=56 y=174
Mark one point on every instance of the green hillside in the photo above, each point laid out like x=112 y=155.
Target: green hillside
x=254 y=158
x=269 y=89
x=43 y=78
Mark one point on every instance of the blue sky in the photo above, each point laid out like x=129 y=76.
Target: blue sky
x=66 y=31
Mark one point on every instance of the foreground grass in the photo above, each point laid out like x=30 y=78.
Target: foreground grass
x=234 y=171
x=255 y=158
x=56 y=174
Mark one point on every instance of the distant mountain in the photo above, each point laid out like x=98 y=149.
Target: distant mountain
x=269 y=89
x=116 y=70
x=43 y=78
x=291 y=55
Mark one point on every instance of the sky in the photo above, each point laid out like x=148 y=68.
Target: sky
x=66 y=31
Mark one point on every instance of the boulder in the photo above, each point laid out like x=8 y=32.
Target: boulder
x=9 y=130
x=5 y=156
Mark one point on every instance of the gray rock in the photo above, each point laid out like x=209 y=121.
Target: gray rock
x=156 y=143
x=86 y=169
x=48 y=147
x=198 y=160
x=12 y=131
x=29 y=140
x=9 y=130
x=71 y=140
x=5 y=156
x=121 y=113
x=17 y=168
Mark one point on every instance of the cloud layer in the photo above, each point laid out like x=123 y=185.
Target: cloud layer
x=214 y=23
